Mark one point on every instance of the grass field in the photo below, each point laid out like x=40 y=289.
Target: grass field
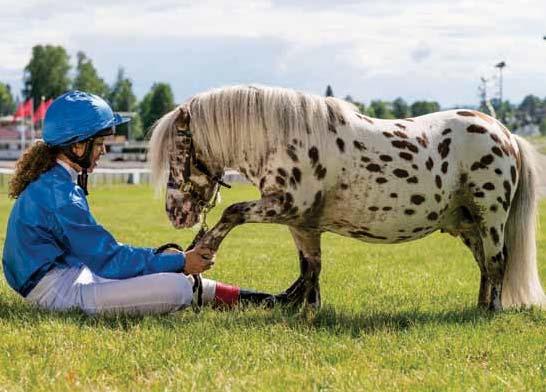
x=396 y=317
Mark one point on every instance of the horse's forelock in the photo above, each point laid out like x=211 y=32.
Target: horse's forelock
x=160 y=142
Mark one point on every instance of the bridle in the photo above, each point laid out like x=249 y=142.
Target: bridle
x=188 y=186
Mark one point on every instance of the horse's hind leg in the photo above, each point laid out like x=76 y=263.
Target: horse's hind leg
x=473 y=241
x=306 y=288
x=490 y=220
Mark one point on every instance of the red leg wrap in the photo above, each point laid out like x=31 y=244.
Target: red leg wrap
x=226 y=294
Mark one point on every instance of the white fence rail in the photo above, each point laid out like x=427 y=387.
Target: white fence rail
x=111 y=176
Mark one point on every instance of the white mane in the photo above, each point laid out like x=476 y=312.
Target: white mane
x=232 y=124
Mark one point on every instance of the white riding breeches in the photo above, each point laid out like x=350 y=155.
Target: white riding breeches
x=79 y=288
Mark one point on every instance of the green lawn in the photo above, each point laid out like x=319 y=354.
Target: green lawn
x=397 y=317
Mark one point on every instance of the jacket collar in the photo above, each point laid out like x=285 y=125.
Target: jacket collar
x=73 y=173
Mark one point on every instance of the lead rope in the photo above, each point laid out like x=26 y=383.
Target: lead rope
x=197 y=288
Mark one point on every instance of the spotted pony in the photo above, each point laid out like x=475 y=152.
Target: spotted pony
x=320 y=165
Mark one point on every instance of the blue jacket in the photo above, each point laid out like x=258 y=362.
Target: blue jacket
x=51 y=226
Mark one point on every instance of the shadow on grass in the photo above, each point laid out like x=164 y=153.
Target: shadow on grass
x=340 y=322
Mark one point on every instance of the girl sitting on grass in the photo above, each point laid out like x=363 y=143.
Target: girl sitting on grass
x=58 y=257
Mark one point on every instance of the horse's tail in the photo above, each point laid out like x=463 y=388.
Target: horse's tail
x=521 y=287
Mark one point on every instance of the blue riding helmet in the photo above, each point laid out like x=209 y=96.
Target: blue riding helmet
x=76 y=116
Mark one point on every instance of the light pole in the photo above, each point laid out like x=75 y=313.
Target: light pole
x=500 y=66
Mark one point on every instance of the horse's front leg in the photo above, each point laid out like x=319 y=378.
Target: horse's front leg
x=306 y=289
x=269 y=209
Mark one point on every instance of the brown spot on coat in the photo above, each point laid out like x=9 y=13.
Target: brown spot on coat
x=446 y=131
x=497 y=151
x=432 y=216
x=425 y=139
x=494 y=235
x=405 y=144
x=488 y=186
x=476 y=129
x=388 y=134
x=385 y=158
x=366 y=118
x=292 y=154
x=443 y=147
x=495 y=138
x=429 y=163
x=406 y=155
x=409 y=211
x=359 y=145
x=465 y=113
x=412 y=180
x=513 y=174
x=400 y=125
x=381 y=180
x=417 y=199
x=445 y=167
x=296 y=173
x=400 y=134
x=438 y=180
x=373 y=167
x=320 y=172
x=340 y=144
x=401 y=173
x=313 y=155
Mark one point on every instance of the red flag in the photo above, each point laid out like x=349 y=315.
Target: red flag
x=23 y=110
x=39 y=113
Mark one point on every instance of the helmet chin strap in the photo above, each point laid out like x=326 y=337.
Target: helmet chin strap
x=83 y=161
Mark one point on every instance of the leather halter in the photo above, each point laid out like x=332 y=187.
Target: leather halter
x=191 y=158
x=188 y=185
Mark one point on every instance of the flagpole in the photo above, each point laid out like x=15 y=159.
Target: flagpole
x=42 y=115
x=31 y=121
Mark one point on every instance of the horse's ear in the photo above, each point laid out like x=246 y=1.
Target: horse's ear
x=182 y=122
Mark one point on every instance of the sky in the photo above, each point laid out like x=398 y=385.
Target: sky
x=415 y=49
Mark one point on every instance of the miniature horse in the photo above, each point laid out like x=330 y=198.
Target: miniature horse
x=321 y=166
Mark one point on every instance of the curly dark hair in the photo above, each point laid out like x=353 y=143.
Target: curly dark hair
x=36 y=159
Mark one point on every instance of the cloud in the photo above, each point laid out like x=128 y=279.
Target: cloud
x=297 y=43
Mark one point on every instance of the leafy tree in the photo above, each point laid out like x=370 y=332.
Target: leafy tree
x=542 y=127
x=419 y=108
x=7 y=104
x=87 y=78
x=123 y=99
x=400 y=108
x=381 y=109
x=532 y=108
x=156 y=103
x=329 y=92
x=46 y=75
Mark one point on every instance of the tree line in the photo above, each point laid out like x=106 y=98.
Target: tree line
x=531 y=110
x=47 y=75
